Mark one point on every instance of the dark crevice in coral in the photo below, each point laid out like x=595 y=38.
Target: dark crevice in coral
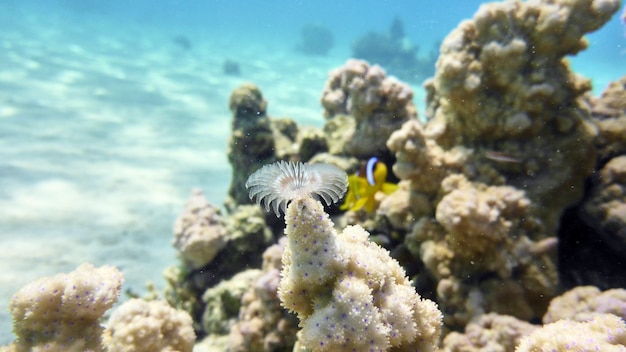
x=584 y=258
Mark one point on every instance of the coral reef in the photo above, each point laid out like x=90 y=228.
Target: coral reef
x=523 y=143
x=263 y=325
x=62 y=312
x=147 y=326
x=231 y=68
x=223 y=301
x=395 y=53
x=608 y=112
x=243 y=233
x=583 y=303
x=199 y=232
x=603 y=333
x=315 y=40
x=250 y=127
x=347 y=292
x=605 y=207
x=379 y=105
x=489 y=333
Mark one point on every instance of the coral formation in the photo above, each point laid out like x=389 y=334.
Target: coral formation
x=250 y=127
x=608 y=112
x=379 y=105
x=583 y=303
x=147 y=326
x=605 y=207
x=347 y=292
x=263 y=325
x=602 y=333
x=489 y=333
x=62 y=312
x=223 y=301
x=199 y=232
x=393 y=51
x=245 y=233
x=315 y=40
x=523 y=143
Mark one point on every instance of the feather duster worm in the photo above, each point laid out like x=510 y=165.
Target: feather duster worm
x=279 y=183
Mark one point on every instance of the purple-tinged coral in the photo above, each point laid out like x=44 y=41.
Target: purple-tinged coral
x=583 y=303
x=347 y=291
x=605 y=332
x=62 y=312
x=148 y=326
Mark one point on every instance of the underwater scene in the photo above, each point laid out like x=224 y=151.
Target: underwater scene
x=233 y=175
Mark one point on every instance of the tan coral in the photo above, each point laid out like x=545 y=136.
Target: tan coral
x=583 y=303
x=63 y=312
x=609 y=113
x=378 y=103
x=605 y=333
x=489 y=333
x=147 y=326
x=347 y=291
x=199 y=232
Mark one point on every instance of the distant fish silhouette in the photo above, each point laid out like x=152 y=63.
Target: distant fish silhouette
x=501 y=157
x=182 y=41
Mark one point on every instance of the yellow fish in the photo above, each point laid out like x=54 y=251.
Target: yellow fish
x=364 y=184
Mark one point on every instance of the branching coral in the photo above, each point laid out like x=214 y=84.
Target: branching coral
x=348 y=293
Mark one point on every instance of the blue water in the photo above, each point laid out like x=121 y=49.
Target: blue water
x=106 y=122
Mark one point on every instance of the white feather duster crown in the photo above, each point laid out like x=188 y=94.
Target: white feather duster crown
x=279 y=183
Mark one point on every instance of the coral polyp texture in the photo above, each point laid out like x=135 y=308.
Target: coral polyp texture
x=62 y=313
x=506 y=149
x=604 y=332
x=348 y=293
x=146 y=326
x=379 y=105
x=199 y=232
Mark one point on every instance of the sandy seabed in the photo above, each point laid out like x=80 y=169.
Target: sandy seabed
x=104 y=131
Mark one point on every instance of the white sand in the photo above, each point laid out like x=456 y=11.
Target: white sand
x=104 y=134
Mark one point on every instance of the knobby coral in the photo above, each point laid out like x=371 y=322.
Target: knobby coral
x=348 y=293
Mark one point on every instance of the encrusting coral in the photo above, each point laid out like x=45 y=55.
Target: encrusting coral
x=147 y=326
x=348 y=293
x=62 y=312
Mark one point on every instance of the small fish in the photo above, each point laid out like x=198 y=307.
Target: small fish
x=501 y=157
x=364 y=184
